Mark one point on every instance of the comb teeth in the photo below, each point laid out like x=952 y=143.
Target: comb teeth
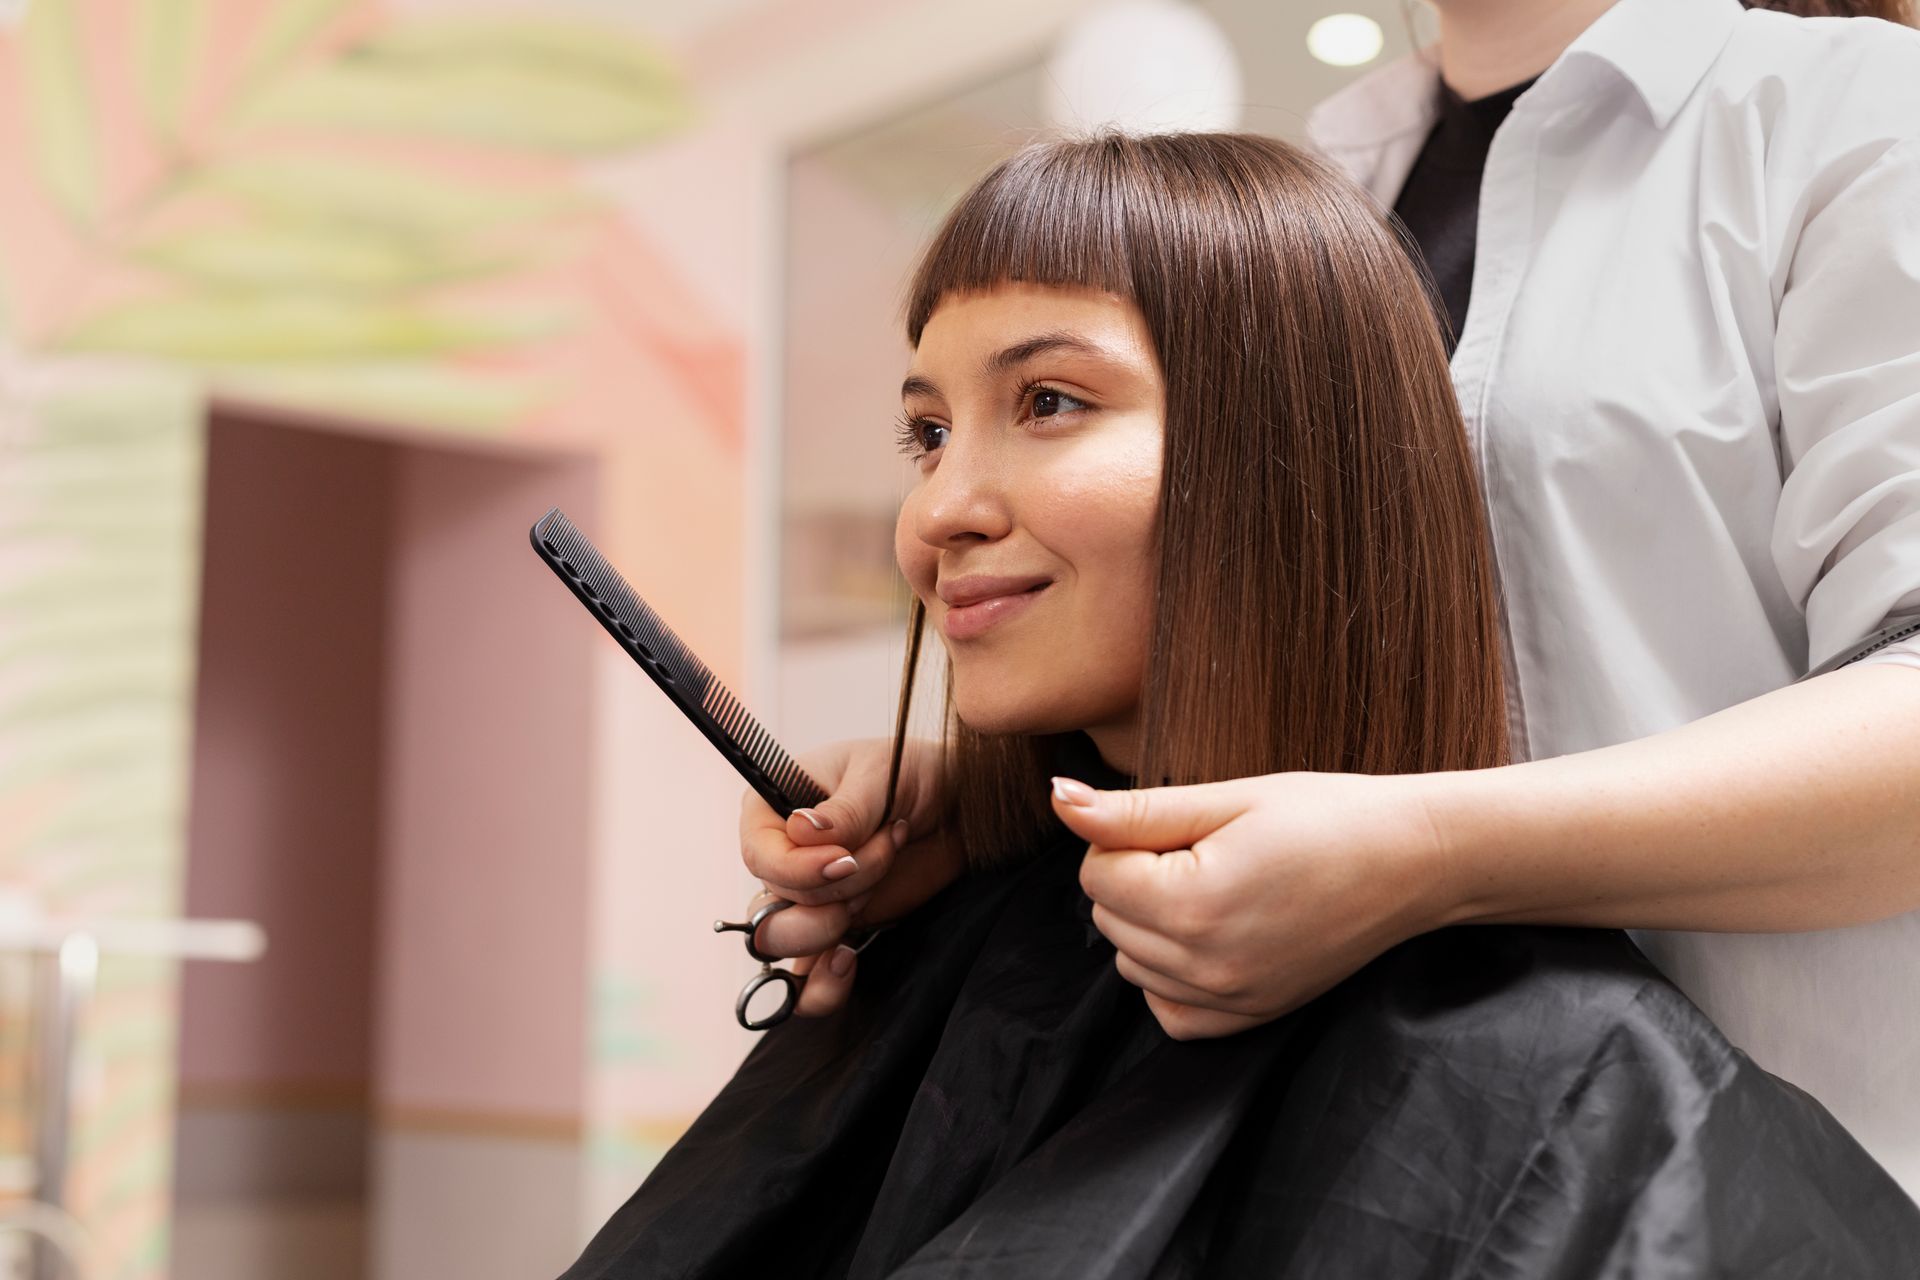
x=748 y=746
x=759 y=746
x=630 y=617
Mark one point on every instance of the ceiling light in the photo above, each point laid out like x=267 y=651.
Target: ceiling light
x=1345 y=39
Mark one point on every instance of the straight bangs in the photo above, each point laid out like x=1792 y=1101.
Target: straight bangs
x=1044 y=216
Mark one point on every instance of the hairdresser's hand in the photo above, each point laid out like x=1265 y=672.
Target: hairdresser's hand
x=839 y=864
x=1231 y=903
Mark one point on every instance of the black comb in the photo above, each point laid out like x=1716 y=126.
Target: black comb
x=698 y=693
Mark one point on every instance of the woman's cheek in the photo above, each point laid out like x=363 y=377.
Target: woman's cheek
x=1099 y=513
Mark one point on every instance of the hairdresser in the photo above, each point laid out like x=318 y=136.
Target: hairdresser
x=1679 y=242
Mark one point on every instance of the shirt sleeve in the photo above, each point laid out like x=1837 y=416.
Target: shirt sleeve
x=1895 y=645
x=1894 y=655
x=1846 y=536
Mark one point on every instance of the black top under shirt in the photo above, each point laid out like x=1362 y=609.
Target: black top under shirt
x=1440 y=201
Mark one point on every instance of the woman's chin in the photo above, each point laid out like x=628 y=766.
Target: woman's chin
x=1000 y=723
x=1003 y=716
x=1010 y=700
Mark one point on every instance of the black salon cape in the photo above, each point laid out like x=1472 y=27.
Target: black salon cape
x=1498 y=1101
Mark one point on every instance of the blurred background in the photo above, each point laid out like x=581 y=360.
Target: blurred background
x=355 y=889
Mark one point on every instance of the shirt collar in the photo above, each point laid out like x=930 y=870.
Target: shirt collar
x=1662 y=48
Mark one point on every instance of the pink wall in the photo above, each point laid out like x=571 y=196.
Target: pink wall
x=485 y=891
x=392 y=774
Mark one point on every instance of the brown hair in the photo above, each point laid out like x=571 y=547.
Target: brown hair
x=1900 y=11
x=1325 y=599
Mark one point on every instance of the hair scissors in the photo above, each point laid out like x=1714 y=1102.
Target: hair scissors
x=769 y=970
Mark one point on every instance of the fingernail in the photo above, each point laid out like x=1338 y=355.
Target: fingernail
x=900 y=830
x=840 y=868
x=855 y=904
x=1071 y=791
x=841 y=961
x=819 y=820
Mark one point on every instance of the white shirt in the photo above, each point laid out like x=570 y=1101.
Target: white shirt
x=1690 y=373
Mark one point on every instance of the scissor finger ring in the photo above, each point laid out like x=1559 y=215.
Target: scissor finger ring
x=768 y=973
x=791 y=980
x=751 y=926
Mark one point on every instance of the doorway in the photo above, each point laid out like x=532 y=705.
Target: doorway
x=391 y=774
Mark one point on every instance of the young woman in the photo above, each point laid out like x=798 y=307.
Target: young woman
x=1195 y=503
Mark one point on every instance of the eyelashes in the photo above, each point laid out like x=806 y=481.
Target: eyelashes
x=906 y=435
x=909 y=430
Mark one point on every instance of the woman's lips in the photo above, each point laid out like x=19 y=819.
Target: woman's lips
x=965 y=621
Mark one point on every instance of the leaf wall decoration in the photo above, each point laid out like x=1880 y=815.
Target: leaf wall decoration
x=336 y=190
x=559 y=47
x=212 y=327
x=99 y=495
x=290 y=28
x=262 y=257
x=377 y=194
x=59 y=112
x=168 y=35
x=422 y=393
x=529 y=104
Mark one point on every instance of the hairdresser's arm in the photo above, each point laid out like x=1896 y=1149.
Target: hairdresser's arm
x=836 y=862
x=1796 y=810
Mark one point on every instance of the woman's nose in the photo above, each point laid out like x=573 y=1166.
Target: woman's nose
x=962 y=501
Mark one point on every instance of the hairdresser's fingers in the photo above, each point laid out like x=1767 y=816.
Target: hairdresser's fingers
x=832 y=873
x=855 y=875
x=829 y=982
x=1184 y=1012
x=1158 y=818
x=1191 y=1022
x=802 y=931
x=1160 y=984
x=918 y=871
x=1147 y=946
x=857 y=796
x=793 y=855
x=767 y=842
x=824 y=765
x=1163 y=891
x=770 y=856
x=808 y=850
x=795 y=870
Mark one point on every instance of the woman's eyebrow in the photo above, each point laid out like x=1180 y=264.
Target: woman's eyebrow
x=1040 y=344
x=1012 y=357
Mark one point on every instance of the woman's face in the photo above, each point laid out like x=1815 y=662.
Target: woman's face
x=1035 y=415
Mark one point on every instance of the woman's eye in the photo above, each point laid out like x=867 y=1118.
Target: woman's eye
x=918 y=437
x=1049 y=403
